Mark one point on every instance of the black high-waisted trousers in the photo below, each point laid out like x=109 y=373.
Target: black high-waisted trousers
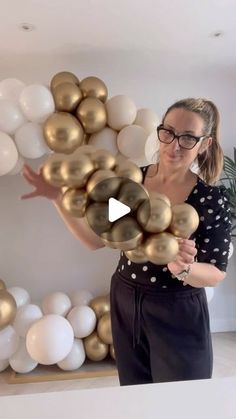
x=159 y=335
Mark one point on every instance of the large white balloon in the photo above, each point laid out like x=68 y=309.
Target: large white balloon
x=21 y=361
x=18 y=166
x=26 y=315
x=209 y=293
x=81 y=298
x=30 y=140
x=9 y=341
x=20 y=294
x=11 y=89
x=121 y=111
x=3 y=364
x=8 y=154
x=56 y=303
x=50 y=339
x=36 y=102
x=152 y=148
x=105 y=139
x=83 y=320
x=147 y=119
x=11 y=116
x=131 y=141
x=75 y=358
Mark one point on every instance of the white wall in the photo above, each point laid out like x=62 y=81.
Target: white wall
x=36 y=250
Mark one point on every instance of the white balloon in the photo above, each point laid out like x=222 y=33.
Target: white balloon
x=36 y=102
x=3 y=364
x=26 y=315
x=231 y=250
x=209 y=293
x=83 y=320
x=81 y=298
x=152 y=148
x=131 y=141
x=8 y=154
x=121 y=111
x=18 y=167
x=148 y=119
x=11 y=89
x=20 y=294
x=75 y=358
x=30 y=140
x=50 y=339
x=105 y=139
x=11 y=116
x=56 y=303
x=9 y=341
x=21 y=361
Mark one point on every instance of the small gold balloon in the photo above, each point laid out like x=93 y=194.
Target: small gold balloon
x=85 y=149
x=102 y=185
x=128 y=169
x=7 y=308
x=137 y=255
x=184 y=221
x=106 y=239
x=63 y=133
x=91 y=112
x=2 y=285
x=97 y=217
x=112 y=351
x=67 y=97
x=103 y=160
x=157 y=195
x=132 y=194
x=154 y=215
x=52 y=170
x=161 y=248
x=94 y=87
x=76 y=170
x=104 y=329
x=100 y=305
x=126 y=233
x=75 y=201
x=95 y=349
x=63 y=77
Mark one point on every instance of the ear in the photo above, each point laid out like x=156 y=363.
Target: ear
x=205 y=144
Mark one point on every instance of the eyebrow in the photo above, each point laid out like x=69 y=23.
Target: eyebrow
x=186 y=132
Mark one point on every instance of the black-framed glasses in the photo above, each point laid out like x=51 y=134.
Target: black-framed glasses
x=187 y=141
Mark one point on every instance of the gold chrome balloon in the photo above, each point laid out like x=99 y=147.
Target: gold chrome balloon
x=102 y=185
x=100 y=305
x=2 y=285
x=76 y=170
x=103 y=160
x=184 y=221
x=75 y=201
x=95 y=349
x=157 y=195
x=52 y=170
x=104 y=329
x=112 y=352
x=126 y=233
x=97 y=217
x=67 y=97
x=94 y=87
x=63 y=77
x=106 y=239
x=91 y=112
x=132 y=194
x=137 y=255
x=85 y=149
x=7 y=308
x=63 y=133
x=154 y=215
x=161 y=248
x=128 y=169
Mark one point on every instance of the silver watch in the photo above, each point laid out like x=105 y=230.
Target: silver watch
x=182 y=275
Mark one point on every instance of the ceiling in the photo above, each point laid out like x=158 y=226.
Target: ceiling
x=170 y=29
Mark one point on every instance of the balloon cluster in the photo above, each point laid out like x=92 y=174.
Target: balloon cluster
x=63 y=331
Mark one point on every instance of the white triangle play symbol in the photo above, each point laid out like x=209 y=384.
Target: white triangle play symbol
x=116 y=209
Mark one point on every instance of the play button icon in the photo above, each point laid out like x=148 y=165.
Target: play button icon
x=116 y=209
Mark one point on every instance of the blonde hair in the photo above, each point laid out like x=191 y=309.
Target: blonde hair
x=210 y=161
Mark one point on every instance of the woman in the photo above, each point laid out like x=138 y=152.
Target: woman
x=160 y=318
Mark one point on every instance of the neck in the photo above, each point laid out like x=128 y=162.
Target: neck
x=168 y=175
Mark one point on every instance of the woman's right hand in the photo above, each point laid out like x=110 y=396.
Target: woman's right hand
x=41 y=187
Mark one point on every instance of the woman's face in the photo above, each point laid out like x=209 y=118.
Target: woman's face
x=181 y=121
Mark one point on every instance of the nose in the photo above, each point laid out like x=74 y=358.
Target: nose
x=175 y=144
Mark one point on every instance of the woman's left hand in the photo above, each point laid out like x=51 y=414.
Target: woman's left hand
x=185 y=256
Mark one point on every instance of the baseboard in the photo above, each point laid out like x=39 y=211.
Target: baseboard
x=223 y=325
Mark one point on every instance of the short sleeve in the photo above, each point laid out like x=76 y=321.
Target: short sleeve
x=213 y=234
